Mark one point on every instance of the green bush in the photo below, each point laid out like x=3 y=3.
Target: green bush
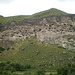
x=8 y=48
x=6 y=67
x=27 y=73
x=0 y=71
x=40 y=72
x=27 y=66
x=67 y=70
x=1 y=49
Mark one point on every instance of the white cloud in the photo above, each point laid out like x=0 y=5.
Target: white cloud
x=6 y=1
x=28 y=7
x=66 y=0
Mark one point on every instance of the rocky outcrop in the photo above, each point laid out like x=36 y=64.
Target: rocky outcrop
x=58 y=30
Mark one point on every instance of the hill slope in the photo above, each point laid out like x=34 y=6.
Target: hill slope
x=35 y=53
x=18 y=19
x=50 y=12
x=24 y=49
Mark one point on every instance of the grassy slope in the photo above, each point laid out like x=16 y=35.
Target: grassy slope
x=42 y=14
x=48 y=54
x=17 y=19
x=50 y=12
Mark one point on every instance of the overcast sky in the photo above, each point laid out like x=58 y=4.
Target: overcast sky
x=29 y=7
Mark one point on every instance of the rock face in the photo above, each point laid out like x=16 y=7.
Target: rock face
x=58 y=30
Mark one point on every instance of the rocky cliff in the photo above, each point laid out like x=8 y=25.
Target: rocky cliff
x=58 y=30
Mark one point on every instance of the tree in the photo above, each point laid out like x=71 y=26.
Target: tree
x=67 y=70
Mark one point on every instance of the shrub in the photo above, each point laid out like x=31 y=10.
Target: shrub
x=67 y=70
x=5 y=73
x=6 y=67
x=40 y=72
x=27 y=66
x=27 y=73
x=1 y=49
x=8 y=48
x=0 y=71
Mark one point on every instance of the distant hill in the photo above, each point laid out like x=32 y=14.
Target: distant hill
x=20 y=18
x=50 y=12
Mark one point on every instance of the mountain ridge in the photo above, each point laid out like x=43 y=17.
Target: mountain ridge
x=49 y=10
x=42 y=14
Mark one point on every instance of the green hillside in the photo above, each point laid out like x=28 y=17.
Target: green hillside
x=50 y=12
x=19 y=19
x=37 y=54
x=28 y=57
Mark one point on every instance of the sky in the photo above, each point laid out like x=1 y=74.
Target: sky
x=29 y=7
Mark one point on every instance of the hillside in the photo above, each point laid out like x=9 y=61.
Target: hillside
x=40 y=55
x=58 y=30
x=20 y=18
x=50 y=12
x=30 y=49
x=38 y=43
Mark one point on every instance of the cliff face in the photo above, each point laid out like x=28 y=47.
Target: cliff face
x=58 y=30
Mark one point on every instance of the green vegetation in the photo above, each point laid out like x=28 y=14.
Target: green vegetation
x=16 y=19
x=50 y=12
x=31 y=57
x=7 y=68
x=67 y=70
x=40 y=72
x=1 y=49
x=19 y=19
x=40 y=56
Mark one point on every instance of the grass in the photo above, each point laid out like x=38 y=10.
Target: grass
x=39 y=55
